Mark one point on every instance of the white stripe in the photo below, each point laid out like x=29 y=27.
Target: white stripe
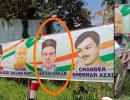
x=106 y=51
x=68 y=62
x=63 y=63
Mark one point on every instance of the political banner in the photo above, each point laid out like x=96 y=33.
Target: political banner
x=122 y=18
x=93 y=56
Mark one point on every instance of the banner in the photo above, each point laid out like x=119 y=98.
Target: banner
x=122 y=19
x=93 y=62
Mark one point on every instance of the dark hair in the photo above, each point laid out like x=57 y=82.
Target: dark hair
x=49 y=42
x=1 y=52
x=92 y=34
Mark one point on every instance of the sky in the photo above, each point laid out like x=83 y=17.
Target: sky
x=94 y=6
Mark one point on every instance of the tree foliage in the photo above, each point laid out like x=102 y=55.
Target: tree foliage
x=70 y=10
x=73 y=12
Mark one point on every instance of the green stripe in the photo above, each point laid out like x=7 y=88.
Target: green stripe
x=63 y=68
x=128 y=44
x=31 y=68
x=107 y=57
x=30 y=42
x=125 y=10
x=9 y=54
x=104 y=58
x=125 y=37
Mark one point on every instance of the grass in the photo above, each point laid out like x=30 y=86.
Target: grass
x=123 y=97
x=12 y=90
x=124 y=94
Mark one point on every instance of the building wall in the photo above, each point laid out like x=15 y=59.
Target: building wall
x=12 y=30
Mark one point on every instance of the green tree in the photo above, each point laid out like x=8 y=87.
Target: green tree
x=73 y=12
x=15 y=9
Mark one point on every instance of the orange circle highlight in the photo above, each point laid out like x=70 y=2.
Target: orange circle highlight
x=34 y=57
